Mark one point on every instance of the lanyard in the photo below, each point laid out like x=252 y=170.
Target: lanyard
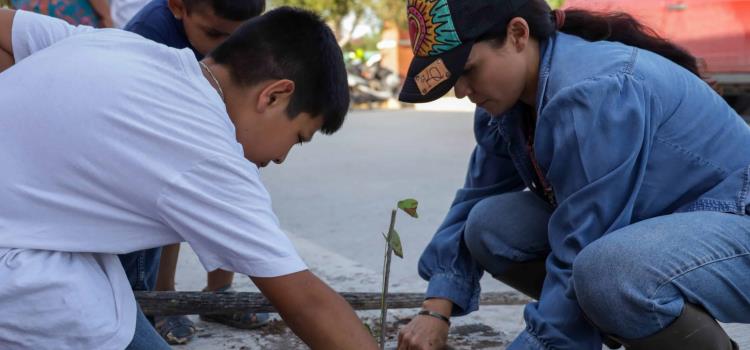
x=540 y=185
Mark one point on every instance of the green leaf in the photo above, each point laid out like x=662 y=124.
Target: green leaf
x=396 y=244
x=409 y=206
x=408 y=203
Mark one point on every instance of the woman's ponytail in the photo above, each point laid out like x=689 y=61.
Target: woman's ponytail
x=593 y=26
x=622 y=27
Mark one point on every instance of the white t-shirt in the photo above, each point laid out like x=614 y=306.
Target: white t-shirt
x=112 y=143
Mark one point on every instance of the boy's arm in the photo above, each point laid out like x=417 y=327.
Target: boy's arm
x=317 y=314
x=221 y=208
x=6 y=60
x=24 y=33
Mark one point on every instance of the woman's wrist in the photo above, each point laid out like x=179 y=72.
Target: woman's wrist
x=436 y=315
x=438 y=305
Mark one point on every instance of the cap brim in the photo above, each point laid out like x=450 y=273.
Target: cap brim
x=454 y=61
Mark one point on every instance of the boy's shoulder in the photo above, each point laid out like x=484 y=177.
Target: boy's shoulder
x=155 y=21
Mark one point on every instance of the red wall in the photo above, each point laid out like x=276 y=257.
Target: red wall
x=715 y=30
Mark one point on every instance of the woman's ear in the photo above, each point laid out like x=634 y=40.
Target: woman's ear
x=519 y=33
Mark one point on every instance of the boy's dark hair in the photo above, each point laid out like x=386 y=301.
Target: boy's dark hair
x=233 y=10
x=294 y=44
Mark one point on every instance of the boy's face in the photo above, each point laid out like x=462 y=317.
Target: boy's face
x=204 y=29
x=263 y=126
x=271 y=138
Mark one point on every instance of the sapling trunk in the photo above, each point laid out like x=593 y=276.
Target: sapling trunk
x=393 y=246
x=386 y=276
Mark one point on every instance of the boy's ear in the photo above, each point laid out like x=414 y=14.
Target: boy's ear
x=276 y=94
x=177 y=7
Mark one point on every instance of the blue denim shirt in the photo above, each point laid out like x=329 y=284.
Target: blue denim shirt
x=622 y=135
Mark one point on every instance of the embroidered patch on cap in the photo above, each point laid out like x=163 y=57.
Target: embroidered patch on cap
x=431 y=28
x=432 y=76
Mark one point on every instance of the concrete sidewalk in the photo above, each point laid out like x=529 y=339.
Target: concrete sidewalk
x=492 y=327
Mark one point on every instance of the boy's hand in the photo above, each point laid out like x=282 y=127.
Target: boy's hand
x=316 y=313
x=426 y=332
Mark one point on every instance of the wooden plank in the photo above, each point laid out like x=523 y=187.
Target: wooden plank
x=191 y=303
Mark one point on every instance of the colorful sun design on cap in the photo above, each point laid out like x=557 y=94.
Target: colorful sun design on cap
x=431 y=27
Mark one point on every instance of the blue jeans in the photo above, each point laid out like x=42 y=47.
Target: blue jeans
x=634 y=281
x=145 y=337
x=142 y=267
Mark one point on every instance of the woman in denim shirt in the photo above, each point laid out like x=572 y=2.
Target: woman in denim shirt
x=636 y=228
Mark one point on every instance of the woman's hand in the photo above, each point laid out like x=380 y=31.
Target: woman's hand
x=426 y=332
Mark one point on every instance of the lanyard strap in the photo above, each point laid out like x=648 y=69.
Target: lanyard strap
x=539 y=179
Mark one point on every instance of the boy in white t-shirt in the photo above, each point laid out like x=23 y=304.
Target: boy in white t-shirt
x=113 y=143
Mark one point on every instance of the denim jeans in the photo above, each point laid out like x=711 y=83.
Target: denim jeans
x=634 y=281
x=145 y=337
x=142 y=268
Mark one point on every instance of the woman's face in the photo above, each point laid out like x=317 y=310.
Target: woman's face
x=497 y=76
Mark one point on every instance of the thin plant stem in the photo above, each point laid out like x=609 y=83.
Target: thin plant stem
x=383 y=301
x=386 y=276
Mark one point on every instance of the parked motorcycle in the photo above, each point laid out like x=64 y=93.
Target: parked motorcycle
x=371 y=83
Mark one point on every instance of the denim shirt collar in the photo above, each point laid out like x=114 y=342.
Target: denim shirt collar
x=546 y=47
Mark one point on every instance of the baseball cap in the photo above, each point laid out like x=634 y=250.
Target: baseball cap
x=442 y=33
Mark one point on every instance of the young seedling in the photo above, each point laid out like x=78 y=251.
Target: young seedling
x=392 y=245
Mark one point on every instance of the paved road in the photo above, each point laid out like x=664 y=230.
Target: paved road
x=334 y=196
